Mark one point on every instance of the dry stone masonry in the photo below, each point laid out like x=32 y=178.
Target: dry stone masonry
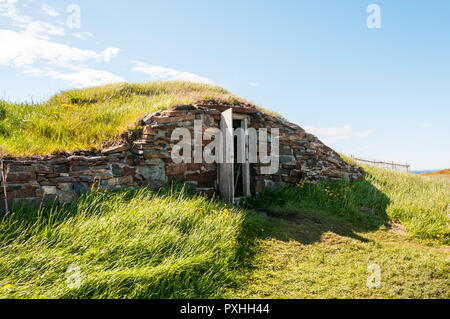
x=145 y=160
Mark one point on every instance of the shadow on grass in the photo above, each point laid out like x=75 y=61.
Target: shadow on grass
x=307 y=227
x=306 y=211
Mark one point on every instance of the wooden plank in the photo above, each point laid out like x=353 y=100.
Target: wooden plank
x=4 y=174
x=236 y=109
x=239 y=116
x=246 y=164
x=226 y=172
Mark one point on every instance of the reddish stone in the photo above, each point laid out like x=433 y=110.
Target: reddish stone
x=129 y=171
x=130 y=160
x=61 y=169
x=236 y=109
x=44 y=169
x=174 y=113
x=62 y=179
x=153 y=156
x=20 y=168
x=148 y=130
x=56 y=161
x=202 y=177
x=259 y=186
x=116 y=149
x=177 y=169
x=20 y=177
x=23 y=193
x=194 y=166
x=126 y=180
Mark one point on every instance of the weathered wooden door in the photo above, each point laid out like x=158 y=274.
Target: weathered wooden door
x=246 y=164
x=225 y=173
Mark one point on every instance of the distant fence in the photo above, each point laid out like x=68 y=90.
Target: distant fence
x=387 y=165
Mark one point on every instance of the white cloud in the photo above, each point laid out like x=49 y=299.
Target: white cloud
x=42 y=57
x=425 y=125
x=254 y=84
x=75 y=76
x=29 y=26
x=84 y=77
x=161 y=73
x=83 y=35
x=110 y=53
x=7 y=1
x=43 y=30
x=28 y=48
x=49 y=10
x=22 y=49
x=333 y=134
x=9 y=10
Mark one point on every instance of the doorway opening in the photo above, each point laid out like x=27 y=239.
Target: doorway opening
x=237 y=167
x=234 y=173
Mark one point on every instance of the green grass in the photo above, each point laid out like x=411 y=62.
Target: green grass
x=317 y=255
x=93 y=117
x=317 y=243
x=135 y=244
x=320 y=239
x=420 y=204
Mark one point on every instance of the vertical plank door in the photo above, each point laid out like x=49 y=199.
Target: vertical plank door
x=226 y=173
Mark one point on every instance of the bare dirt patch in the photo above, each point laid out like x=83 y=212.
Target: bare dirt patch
x=398 y=229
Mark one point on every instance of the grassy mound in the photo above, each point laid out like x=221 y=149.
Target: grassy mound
x=122 y=245
x=90 y=118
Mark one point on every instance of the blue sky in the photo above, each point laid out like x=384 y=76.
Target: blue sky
x=380 y=93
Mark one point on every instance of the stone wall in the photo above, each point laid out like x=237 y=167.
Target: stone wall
x=145 y=160
x=302 y=157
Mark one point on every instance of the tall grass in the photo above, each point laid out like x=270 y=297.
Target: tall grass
x=421 y=204
x=93 y=117
x=134 y=244
x=166 y=244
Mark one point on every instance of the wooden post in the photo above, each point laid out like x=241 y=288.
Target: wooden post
x=246 y=164
x=4 y=173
